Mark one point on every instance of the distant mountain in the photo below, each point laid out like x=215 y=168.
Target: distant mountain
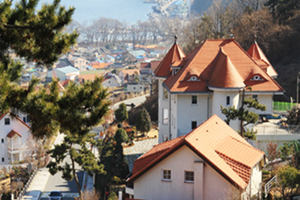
x=200 y=6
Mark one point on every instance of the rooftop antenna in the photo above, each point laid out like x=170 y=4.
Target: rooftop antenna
x=175 y=39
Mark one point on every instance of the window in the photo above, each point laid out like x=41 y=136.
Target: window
x=166 y=175
x=194 y=99
x=2 y=159
x=24 y=119
x=194 y=124
x=6 y=121
x=255 y=97
x=28 y=120
x=188 y=176
x=165 y=116
x=165 y=93
x=228 y=100
x=194 y=78
x=257 y=78
x=2 y=140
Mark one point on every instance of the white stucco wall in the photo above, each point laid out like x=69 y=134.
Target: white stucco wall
x=265 y=99
x=4 y=130
x=150 y=185
x=162 y=104
x=219 y=98
x=188 y=112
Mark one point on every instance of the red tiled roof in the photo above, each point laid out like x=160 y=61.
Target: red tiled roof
x=174 y=54
x=259 y=57
x=215 y=142
x=213 y=65
x=12 y=133
x=230 y=78
x=154 y=64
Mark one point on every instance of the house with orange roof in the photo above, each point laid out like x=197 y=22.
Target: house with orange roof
x=211 y=162
x=16 y=139
x=193 y=87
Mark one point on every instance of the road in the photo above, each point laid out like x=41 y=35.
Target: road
x=137 y=101
x=56 y=182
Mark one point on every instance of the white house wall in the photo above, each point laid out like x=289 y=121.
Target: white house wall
x=4 y=130
x=188 y=112
x=162 y=104
x=267 y=100
x=150 y=184
x=219 y=98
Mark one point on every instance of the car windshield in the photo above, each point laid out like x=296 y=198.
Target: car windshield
x=53 y=194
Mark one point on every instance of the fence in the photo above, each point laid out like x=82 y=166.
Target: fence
x=23 y=191
x=263 y=129
x=283 y=106
x=269 y=185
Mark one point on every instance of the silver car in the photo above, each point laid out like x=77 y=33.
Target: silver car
x=55 y=195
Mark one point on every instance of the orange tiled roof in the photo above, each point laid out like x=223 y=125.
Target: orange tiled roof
x=90 y=77
x=154 y=64
x=174 y=54
x=12 y=133
x=227 y=67
x=259 y=57
x=215 y=142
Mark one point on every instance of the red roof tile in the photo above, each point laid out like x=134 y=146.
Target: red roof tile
x=259 y=57
x=174 y=54
x=230 y=78
x=215 y=142
x=12 y=133
x=215 y=66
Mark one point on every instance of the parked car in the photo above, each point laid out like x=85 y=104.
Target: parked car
x=55 y=195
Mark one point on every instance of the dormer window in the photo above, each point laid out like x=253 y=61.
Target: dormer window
x=257 y=78
x=194 y=78
x=174 y=71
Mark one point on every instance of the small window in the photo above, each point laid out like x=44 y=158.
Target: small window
x=24 y=119
x=228 y=100
x=165 y=116
x=194 y=125
x=257 y=78
x=194 y=99
x=2 y=140
x=188 y=176
x=194 y=78
x=140 y=87
x=2 y=159
x=134 y=88
x=165 y=93
x=255 y=97
x=7 y=121
x=166 y=175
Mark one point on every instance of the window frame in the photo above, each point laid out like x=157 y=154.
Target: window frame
x=193 y=123
x=6 y=121
x=194 y=103
x=187 y=174
x=165 y=94
x=165 y=121
x=163 y=178
x=227 y=100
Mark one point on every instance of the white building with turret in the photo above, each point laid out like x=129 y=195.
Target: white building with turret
x=193 y=87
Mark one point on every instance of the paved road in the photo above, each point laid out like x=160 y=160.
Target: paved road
x=56 y=182
x=137 y=101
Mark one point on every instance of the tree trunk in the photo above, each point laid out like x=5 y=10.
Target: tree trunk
x=75 y=177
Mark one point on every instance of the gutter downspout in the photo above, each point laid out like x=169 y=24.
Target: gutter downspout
x=208 y=97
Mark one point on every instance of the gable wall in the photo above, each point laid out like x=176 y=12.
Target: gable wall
x=4 y=130
x=151 y=186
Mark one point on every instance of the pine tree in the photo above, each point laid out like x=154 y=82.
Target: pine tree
x=121 y=113
x=77 y=111
x=143 y=123
x=244 y=115
x=36 y=35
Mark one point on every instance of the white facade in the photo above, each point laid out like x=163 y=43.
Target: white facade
x=177 y=112
x=208 y=183
x=17 y=147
